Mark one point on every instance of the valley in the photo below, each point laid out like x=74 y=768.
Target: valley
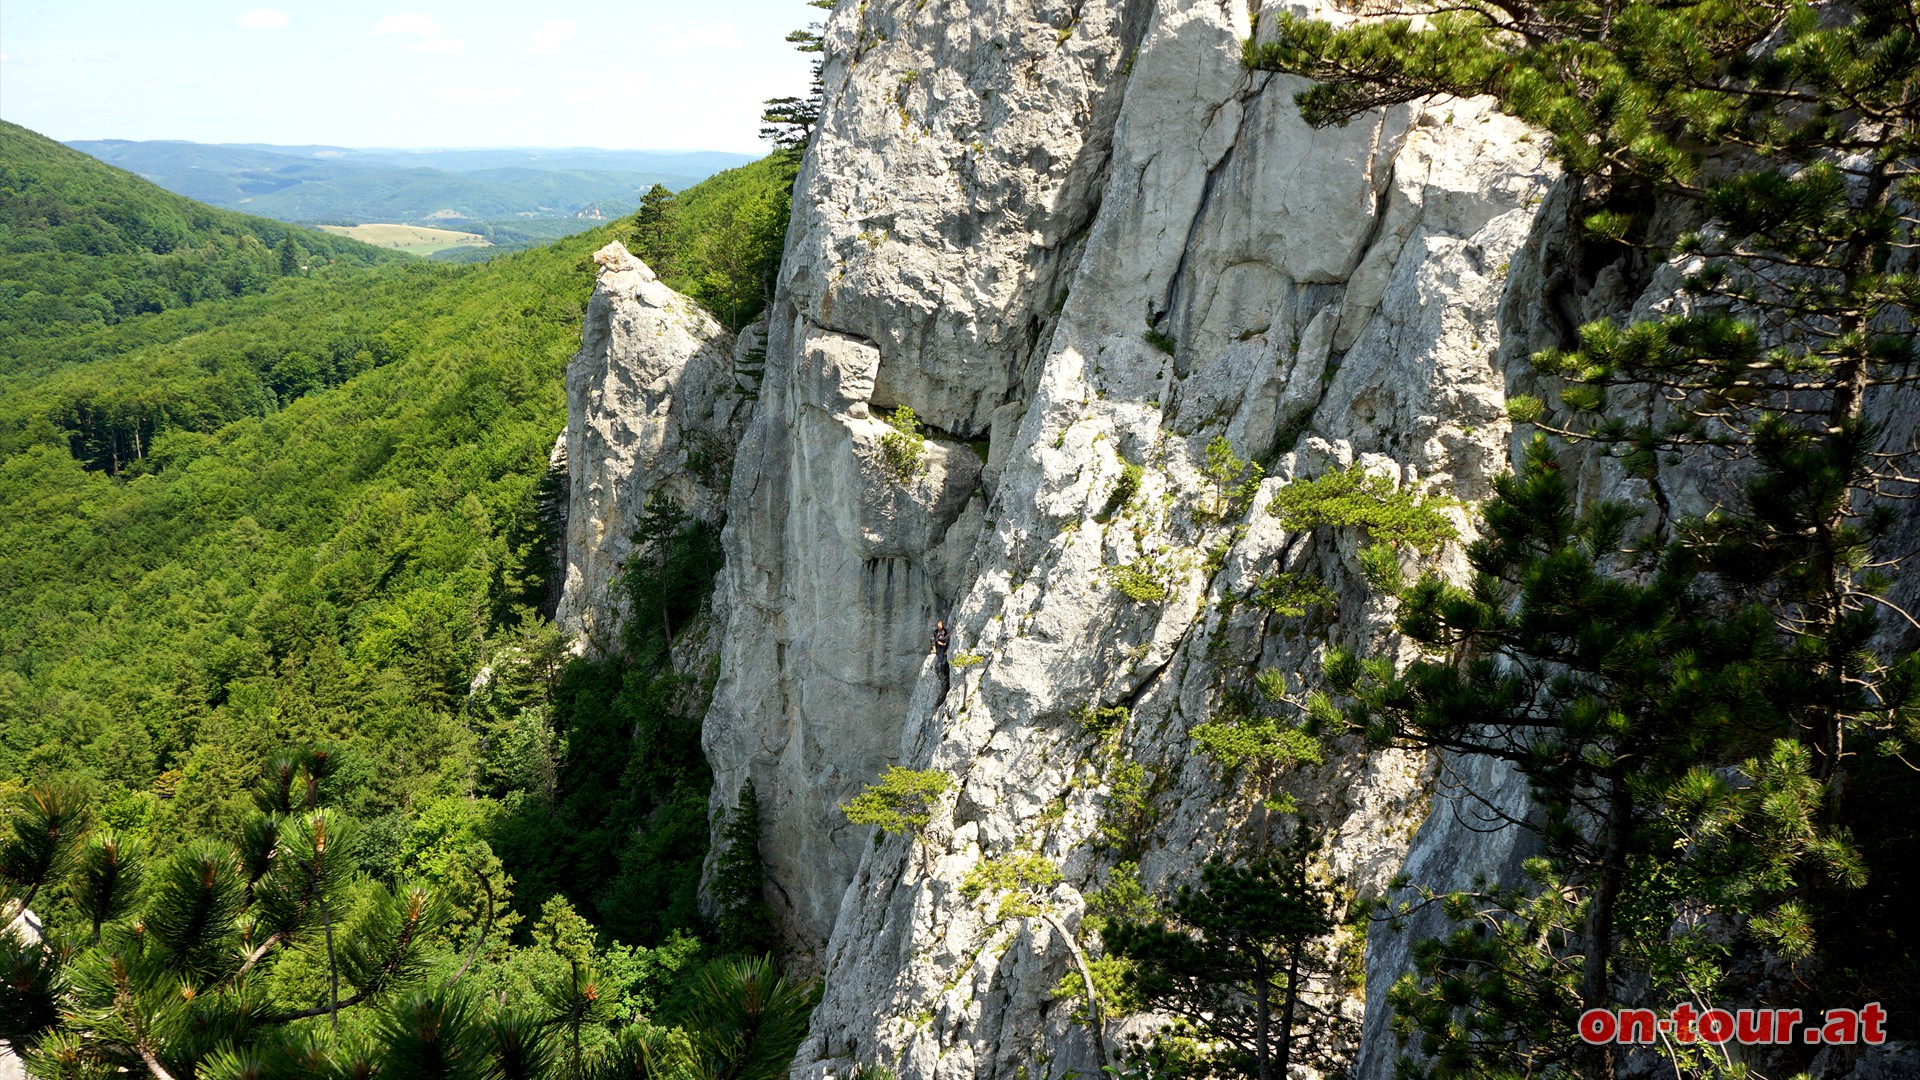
x=412 y=239
x=514 y=198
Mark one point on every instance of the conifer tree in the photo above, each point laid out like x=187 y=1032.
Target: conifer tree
x=653 y=230
x=1232 y=959
x=1021 y=882
x=1610 y=678
x=745 y=924
x=789 y=121
x=746 y=1019
x=1799 y=304
x=167 y=974
x=1767 y=150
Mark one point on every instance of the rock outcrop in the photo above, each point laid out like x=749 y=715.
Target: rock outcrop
x=1074 y=237
x=1317 y=297
x=651 y=408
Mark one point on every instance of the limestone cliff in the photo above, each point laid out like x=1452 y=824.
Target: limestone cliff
x=652 y=407
x=998 y=209
x=1074 y=236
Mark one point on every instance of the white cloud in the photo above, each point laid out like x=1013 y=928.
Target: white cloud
x=718 y=35
x=411 y=22
x=265 y=18
x=547 y=40
x=5 y=59
x=439 y=45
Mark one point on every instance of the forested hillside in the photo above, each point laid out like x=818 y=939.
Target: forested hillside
x=311 y=517
x=85 y=245
x=331 y=184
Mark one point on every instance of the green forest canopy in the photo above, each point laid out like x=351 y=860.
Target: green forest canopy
x=86 y=245
x=310 y=514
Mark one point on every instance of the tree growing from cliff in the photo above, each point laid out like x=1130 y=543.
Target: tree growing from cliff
x=1799 y=297
x=1767 y=151
x=789 y=121
x=1022 y=882
x=1257 y=736
x=1606 y=676
x=1235 y=959
x=745 y=923
x=903 y=446
x=1232 y=480
x=900 y=801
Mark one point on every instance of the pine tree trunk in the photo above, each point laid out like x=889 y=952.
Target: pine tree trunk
x=1289 y=1004
x=1263 y=1015
x=1086 y=981
x=1599 y=929
x=666 y=623
x=1828 y=737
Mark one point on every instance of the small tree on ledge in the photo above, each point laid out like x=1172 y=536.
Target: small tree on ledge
x=901 y=801
x=903 y=450
x=1023 y=881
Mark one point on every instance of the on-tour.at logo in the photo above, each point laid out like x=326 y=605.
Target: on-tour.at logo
x=1748 y=1027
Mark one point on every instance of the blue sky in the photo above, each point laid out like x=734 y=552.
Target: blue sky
x=631 y=74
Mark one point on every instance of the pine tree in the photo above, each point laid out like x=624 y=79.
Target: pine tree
x=169 y=973
x=745 y=924
x=1797 y=309
x=668 y=576
x=1610 y=678
x=1233 y=960
x=653 y=230
x=1021 y=882
x=789 y=121
x=1768 y=149
x=746 y=1020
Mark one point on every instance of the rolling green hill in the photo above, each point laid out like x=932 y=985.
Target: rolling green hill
x=312 y=514
x=341 y=186
x=84 y=245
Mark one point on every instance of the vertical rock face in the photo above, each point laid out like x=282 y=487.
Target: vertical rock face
x=948 y=191
x=648 y=411
x=1317 y=297
x=1074 y=237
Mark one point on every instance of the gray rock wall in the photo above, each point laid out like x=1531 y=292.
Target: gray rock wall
x=1002 y=201
x=650 y=398
x=1074 y=236
x=1335 y=290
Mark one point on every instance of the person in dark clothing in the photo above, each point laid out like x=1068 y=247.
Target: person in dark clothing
x=942 y=637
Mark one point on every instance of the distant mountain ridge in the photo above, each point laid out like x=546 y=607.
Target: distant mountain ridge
x=84 y=246
x=351 y=186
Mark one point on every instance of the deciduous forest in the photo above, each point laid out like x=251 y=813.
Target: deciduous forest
x=279 y=501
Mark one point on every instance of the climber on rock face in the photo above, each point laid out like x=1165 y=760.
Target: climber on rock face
x=942 y=637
